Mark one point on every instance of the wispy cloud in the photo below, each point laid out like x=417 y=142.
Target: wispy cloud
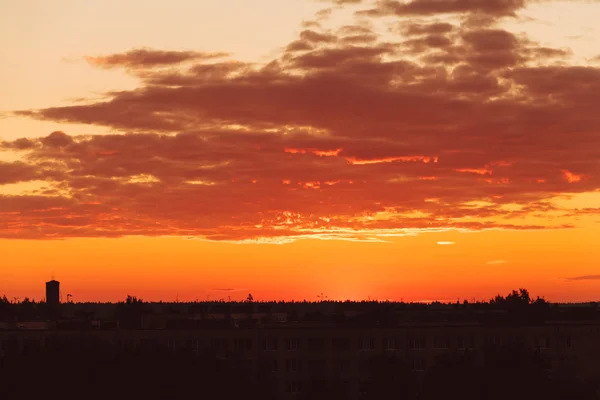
x=445 y=243
x=228 y=290
x=149 y=58
x=584 y=278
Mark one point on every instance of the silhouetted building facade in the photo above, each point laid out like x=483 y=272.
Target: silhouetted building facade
x=53 y=293
x=299 y=349
x=292 y=354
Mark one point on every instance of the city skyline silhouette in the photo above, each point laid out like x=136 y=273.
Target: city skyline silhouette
x=54 y=296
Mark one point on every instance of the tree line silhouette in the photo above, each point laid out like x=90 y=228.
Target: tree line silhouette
x=518 y=307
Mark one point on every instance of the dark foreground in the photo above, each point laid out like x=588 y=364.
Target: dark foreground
x=97 y=370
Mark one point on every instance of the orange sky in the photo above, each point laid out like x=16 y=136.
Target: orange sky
x=391 y=150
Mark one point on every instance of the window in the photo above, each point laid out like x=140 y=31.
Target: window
x=293 y=365
x=218 y=344
x=363 y=366
x=238 y=344
x=492 y=340
x=363 y=388
x=316 y=345
x=441 y=342
x=341 y=344
x=419 y=364
x=566 y=341
x=343 y=365
x=391 y=343
x=366 y=343
x=271 y=365
x=543 y=342
x=270 y=344
x=241 y=345
x=416 y=342
x=293 y=387
x=292 y=344
x=316 y=366
x=567 y=361
x=466 y=342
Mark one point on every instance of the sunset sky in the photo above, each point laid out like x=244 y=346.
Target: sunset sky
x=405 y=150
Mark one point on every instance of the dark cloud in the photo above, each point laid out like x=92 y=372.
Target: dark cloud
x=316 y=37
x=14 y=172
x=343 y=2
x=19 y=144
x=149 y=58
x=341 y=136
x=496 y=8
x=435 y=28
x=57 y=139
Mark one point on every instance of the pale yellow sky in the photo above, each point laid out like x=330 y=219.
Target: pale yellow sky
x=560 y=24
x=42 y=42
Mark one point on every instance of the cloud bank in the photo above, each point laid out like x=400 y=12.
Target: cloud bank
x=458 y=124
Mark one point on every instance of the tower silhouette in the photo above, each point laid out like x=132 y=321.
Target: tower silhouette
x=53 y=293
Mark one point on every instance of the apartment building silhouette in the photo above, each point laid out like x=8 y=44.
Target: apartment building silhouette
x=291 y=353
x=291 y=343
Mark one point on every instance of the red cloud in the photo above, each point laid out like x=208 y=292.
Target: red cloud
x=571 y=177
x=322 y=153
x=336 y=137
